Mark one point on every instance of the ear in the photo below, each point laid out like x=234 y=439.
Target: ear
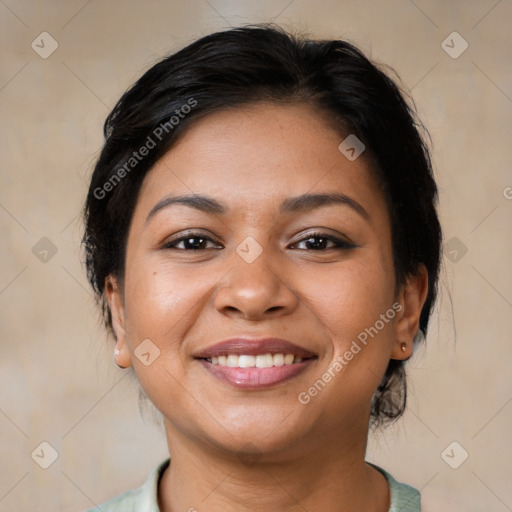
x=411 y=297
x=116 y=305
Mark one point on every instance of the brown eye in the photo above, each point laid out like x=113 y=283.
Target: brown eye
x=319 y=241
x=190 y=242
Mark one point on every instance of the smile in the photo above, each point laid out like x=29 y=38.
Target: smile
x=255 y=372
x=250 y=363
x=258 y=361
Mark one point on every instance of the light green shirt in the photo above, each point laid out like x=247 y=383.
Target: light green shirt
x=404 y=498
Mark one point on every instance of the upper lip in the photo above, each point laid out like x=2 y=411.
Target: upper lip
x=253 y=346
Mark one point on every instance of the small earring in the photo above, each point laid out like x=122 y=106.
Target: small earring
x=403 y=346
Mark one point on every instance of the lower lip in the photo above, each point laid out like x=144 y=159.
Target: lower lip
x=255 y=378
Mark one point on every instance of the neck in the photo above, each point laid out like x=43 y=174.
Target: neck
x=331 y=477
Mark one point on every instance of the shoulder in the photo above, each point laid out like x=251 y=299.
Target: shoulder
x=142 y=499
x=403 y=497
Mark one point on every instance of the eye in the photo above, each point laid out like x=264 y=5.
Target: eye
x=315 y=241
x=190 y=242
x=318 y=242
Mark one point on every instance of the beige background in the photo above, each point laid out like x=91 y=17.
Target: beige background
x=57 y=380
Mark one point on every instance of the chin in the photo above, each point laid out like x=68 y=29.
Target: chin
x=266 y=433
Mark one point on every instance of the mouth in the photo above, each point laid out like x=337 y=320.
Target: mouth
x=255 y=364
x=251 y=361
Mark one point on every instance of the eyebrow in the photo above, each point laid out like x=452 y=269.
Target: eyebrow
x=304 y=202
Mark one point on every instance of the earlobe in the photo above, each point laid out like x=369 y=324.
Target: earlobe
x=122 y=356
x=412 y=297
x=116 y=305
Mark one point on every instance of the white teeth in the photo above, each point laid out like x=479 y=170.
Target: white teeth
x=278 y=359
x=246 y=361
x=259 y=361
x=264 y=361
x=232 y=361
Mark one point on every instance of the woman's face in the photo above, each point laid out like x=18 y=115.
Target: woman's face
x=255 y=260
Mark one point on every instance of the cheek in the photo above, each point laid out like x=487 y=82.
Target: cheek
x=351 y=298
x=153 y=292
x=357 y=310
x=162 y=301
x=157 y=304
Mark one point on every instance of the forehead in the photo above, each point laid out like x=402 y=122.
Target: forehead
x=254 y=157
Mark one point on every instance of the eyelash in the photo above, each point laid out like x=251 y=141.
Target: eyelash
x=339 y=244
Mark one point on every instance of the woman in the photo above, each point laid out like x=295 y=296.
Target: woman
x=261 y=232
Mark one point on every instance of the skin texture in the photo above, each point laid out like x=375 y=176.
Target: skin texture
x=253 y=450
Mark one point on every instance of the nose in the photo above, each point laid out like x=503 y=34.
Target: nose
x=256 y=290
